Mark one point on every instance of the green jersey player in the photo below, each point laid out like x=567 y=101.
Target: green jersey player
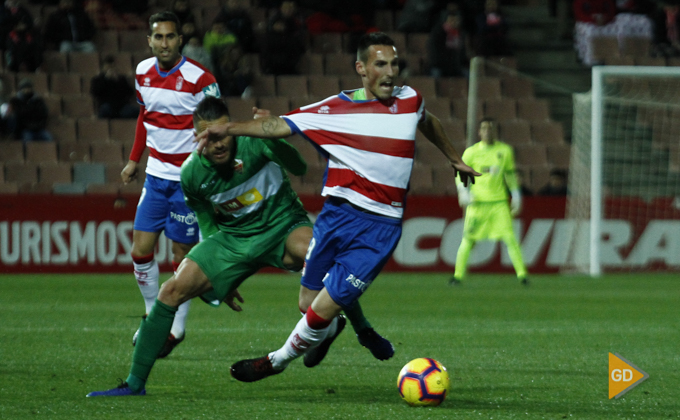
x=250 y=218
x=487 y=215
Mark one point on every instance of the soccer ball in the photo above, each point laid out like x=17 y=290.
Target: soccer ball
x=423 y=382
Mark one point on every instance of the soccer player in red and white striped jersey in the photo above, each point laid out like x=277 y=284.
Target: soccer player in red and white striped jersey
x=368 y=136
x=169 y=87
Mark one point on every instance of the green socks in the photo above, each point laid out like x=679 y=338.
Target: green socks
x=153 y=332
x=356 y=317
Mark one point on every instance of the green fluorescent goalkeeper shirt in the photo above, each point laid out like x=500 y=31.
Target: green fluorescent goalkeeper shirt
x=248 y=195
x=496 y=163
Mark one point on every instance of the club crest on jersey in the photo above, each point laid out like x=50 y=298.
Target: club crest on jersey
x=324 y=110
x=179 y=82
x=147 y=81
x=393 y=108
x=238 y=165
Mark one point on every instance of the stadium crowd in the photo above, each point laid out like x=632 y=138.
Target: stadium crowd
x=80 y=57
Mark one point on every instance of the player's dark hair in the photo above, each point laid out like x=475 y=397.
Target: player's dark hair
x=373 y=38
x=210 y=109
x=492 y=121
x=165 y=16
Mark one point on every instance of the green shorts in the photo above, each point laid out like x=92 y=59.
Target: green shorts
x=228 y=260
x=487 y=221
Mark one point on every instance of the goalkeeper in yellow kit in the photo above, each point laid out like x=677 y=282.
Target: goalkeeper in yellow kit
x=487 y=214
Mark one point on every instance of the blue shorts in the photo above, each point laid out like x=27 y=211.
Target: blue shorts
x=347 y=251
x=162 y=208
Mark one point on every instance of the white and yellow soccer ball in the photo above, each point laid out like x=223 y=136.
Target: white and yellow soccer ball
x=423 y=382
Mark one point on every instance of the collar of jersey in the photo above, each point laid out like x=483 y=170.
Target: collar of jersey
x=172 y=70
x=344 y=95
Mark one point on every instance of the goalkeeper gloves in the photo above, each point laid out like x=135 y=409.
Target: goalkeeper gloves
x=515 y=203
x=464 y=196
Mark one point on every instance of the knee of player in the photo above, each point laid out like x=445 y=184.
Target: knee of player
x=173 y=292
x=306 y=298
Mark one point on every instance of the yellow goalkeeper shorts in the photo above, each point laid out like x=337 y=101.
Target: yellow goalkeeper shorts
x=487 y=221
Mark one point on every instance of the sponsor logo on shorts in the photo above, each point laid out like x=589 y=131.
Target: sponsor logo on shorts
x=358 y=283
x=188 y=219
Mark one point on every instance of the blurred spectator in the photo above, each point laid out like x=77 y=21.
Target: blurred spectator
x=632 y=19
x=23 y=47
x=601 y=18
x=557 y=184
x=182 y=9
x=594 y=18
x=217 y=37
x=26 y=115
x=417 y=16
x=70 y=28
x=492 y=31
x=521 y=181
x=189 y=30
x=283 y=48
x=10 y=14
x=233 y=73
x=238 y=22
x=187 y=20
x=667 y=28
x=289 y=13
x=448 y=48
x=112 y=93
x=194 y=50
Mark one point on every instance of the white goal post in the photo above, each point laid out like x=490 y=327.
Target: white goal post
x=625 y=154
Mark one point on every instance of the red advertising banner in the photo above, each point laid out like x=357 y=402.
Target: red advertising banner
x=66 y=234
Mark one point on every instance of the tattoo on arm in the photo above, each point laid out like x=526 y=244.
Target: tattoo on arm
x=269 y=125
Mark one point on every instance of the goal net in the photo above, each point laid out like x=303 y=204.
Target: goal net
x=623 y=208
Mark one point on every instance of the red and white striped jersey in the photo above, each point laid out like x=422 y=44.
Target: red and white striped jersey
x=169 y=100
x=369 y=145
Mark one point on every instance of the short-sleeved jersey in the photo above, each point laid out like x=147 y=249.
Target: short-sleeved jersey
x=496 y=163
x=169 y=99
x=369 y=144
x=248 y=197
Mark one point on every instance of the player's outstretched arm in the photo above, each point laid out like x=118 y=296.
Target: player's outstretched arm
x=268 y=127
x=433 y=130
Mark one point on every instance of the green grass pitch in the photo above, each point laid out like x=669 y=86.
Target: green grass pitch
x=512 y=352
